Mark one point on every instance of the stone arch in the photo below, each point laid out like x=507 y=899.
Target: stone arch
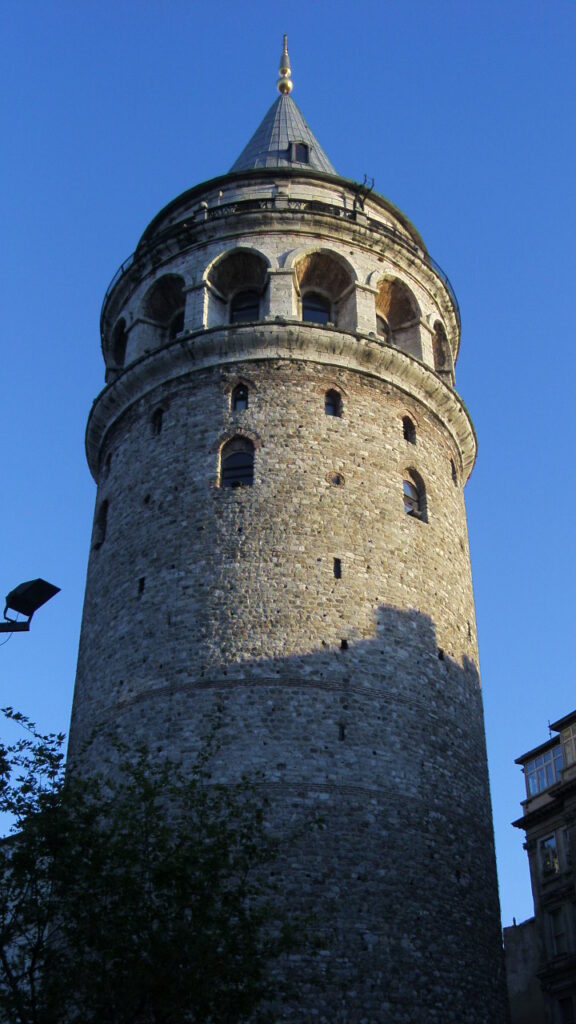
x=398 y=315
x=233 y=431
x=238 y=273
x=163 y=310
x=326 y=274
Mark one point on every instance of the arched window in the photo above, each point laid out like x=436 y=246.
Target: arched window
x=237 y=287
x=163 y=308
x=315 y=308
x=325 y=282
x=176 y=325
x=157 y=421
x=398 y=316
x=333 y=403
x=239 y=398
x=409 y=430
x=237 y=463
x=100 y=525
x=245 y=307
x=119 y=342
x=414 y=494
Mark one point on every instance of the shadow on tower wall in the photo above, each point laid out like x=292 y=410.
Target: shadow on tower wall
x=379 y=744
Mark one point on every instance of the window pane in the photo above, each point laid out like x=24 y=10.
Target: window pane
x=245 y=306
x=411 y=498
x=240 y=398
x=315 y=308
x=237 y=463
x=549 y=856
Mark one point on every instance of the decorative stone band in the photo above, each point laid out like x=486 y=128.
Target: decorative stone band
x=282 y=340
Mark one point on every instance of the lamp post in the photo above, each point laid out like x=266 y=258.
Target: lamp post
x=25 y=599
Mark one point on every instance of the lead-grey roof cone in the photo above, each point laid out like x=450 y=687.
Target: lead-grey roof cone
x=271 y=145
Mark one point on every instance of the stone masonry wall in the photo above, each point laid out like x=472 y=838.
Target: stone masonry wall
x=240 y=610
x=329 y=635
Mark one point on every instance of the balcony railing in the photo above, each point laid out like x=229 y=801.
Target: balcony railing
x=178 y=237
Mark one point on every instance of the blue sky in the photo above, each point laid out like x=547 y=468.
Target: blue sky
x=464 y=115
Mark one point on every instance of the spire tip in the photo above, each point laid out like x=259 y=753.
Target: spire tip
x=285 y=83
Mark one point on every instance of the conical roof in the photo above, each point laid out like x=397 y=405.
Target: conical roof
x=283 y=139
x=274 y=143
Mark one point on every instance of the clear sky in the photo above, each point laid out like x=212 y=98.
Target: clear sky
x=464 y=115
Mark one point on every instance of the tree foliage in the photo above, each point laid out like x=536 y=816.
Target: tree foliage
x=132 y=900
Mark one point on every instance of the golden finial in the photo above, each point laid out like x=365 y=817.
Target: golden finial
x=285 y=83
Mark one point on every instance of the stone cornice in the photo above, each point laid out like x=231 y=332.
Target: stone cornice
x=284 y=339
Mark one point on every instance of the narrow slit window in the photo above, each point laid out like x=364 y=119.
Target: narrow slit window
x=157 y=422
x=337 y=568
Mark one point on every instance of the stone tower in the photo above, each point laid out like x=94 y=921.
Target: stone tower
x=280 y=532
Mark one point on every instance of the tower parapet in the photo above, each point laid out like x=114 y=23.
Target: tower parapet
x=280 y=532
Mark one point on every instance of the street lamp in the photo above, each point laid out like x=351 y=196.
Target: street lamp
x=26 y=599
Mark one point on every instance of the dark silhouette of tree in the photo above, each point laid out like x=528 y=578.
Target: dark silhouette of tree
x=132 y=899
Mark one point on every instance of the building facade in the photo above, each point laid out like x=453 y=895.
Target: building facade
x=280 y=539
x=549 y=821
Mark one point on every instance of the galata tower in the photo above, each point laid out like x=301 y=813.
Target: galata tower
x=280 y=533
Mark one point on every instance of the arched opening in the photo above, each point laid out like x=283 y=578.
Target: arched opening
x=119 y=342
x=245 y=307
x=333 y=403
x=398 y=316
x=239 y=399
x=414 y=495
x=409 y=430
x=237 y=463
x=325 y=281
x=237 y=282
x=163 y=307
